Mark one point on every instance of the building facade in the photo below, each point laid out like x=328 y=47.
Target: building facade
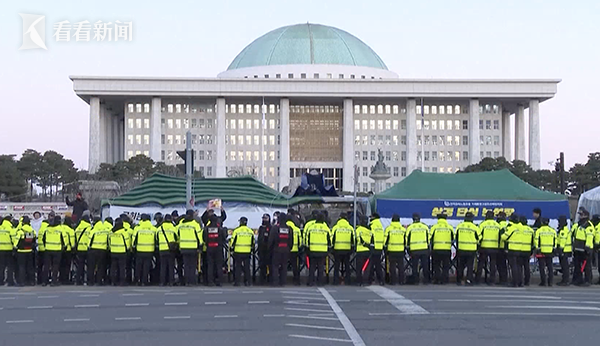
x=312 y=97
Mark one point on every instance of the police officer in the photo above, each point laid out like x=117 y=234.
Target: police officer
x=242 y=244
x=596 y=223
x=129 y=227
x=564 y=249
x=583 y=242
x=67 y=256
x=501 y=257
x=527 y=236
x=7 y=234
x=512 y=237
x=97 y=253
x=281 y=240
x=417 y=240
x=118 y=253
x=25 y=243
x=215 y=237
x=144 y=241
x=365 y=245
x=55 y=240
x=295 y=258
x=343 y=242
x=318 y=242
x=189 y=234
x=545 y=245
x=395 y=238
x=467 y=243
x=378 y=235
x=82 y=238
x=41 y=248
x=168 y=246
x=264 y=256
x=490 y=246
x=442 y=236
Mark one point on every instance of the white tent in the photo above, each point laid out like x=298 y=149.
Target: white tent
x=590 y=200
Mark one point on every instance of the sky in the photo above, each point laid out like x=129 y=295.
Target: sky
x=416 y=39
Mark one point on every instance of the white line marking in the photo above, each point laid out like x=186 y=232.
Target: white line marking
x=137 y=304
x=422 y=300
x=399 y=302
x=327 y=314
x=258 y=302
x=127 y=318
x=303 y=298
x=350 y=330
x=40 y=307
x=377 y=300
x=274 y=315
x=132 y=294
x=502 y=300
x=76 y=319
x=511 y=296
x=312 y=293
x=477 y=313
x=311 y=326
x=88 y=306
x=89 y=295
x=86 y=292
x=252 y=292
x=293 y=302
x=177 y=303
x=175 y=294
x=213 y=292
x=589 y=308
x=319 y=338
x=226 y=316
x=309 y=310
x=8 y=298
x=47 y=297
x=20 y=321
x=313 y=317
x=385 y=313
x=343 y=300
x=215 y=303
x=176 y=317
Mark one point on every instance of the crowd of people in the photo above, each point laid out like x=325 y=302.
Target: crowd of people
x=185 y=250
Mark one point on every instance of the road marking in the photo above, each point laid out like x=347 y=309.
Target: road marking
x=319 y=338
x=422 y=300
x=385 y=313
x=252 y=292
x=398 y=301
x=226 y=316
x=311 y=326
x=512 y=296
x=477 y=313
x=86 y=292
x=8 y=298
x=127 y=318
x=215 y=303
x=274 y=315
x=589 y=308
x=176 y=317
x=343 y=300
x=502 y=300
x=309 y=310
x=258 y=302
x=175 y=294
x=313 y=317
x=20 y=321
x=377 y=300
x=137 y=304
x=88 y=306
x=47 y=297
x=76 y=319
x=40 y=307
x=350 y=330
x=303 y=298
x=89 y=295
x=177 y=303
x=301 y=292
x=219 y=292
x=327 y=314
x=294 y=302
x=132 y=294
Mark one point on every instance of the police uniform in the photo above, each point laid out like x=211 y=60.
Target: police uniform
x=118 y=254
x=97 y=254
x=82 y=237
x=318 y=242
x=215 y=237
x=168 y=245
x=295 y=258
x=394 y=244
x=343 y=241
x=442 y=236
x=417 y=240
x=490 y=246
x=378 y=237
x=545 y=243
x=67 y=256
x=281 y=239
x=189 y=233
x=55 y=240
x=565 y=250
x=502 y=257
x=583 y=242
x=512 y=237
x=242 y=244
x=467 y=242
x=144 y=242
x=264 y=256
x=24 y=242
x=7 y=234
x=364 y=246
x=527 y=237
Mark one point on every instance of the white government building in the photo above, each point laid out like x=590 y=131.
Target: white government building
x=329 y=102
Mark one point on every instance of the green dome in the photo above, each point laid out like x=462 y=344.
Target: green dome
x=307 y=44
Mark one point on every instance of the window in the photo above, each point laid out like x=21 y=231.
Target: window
x=365 y=155
x=496 y=140
x=170 y=139
x=169 y=155
x=488 y=140
x=209 y=139
x=448 y=140
x=130 y=107
x=365 y=171
x=256 y=156
x=403 y=170
x=371 y=108
x=434 y=156
x=395 y=171
x=426 y=169
x=442 y=110
x=240 y=140
x=138 y=123
x=138 y=139
x=201 y=170
x=388 y=125
x=449 y=156
x=434 y=124
x=457 y=109
x=433 y=109
x=481 y=124
x=434 y=169
x=448 y=109
x=372 y=139
x=146 y=139
x=233 y=140
x=201 y=123
x=426 y=125
x=303 y=75
x=395 y=124
x=449 y=125
x=395 y=140
x=465 y=140
x=170 y=108
x=201 y=139
x=200 y=155
x=372 y=124
x=395 y=155
x=170 y=123
x=434 y=140
x=241 y=124
x=357 y=124
x=388 y=140
x=427 y=141
x=457 y=156
x=442 y=169
x=441 y=140
x=365 y=185
x=272 y=124
x=481 y=141
x=272 y=155
x=178 y=123
x=232 y=124
x=388 y=156
x=138 y=107
x=209 y=171
x=249 y=140
x=496 y=125
x=419 y=140
x=442 y=156
x=465 y=156
x=465 y=124
x=373 y=157
x=457 y=124
x=496 y=154
x=194 y=123
x=130 y=139
x=232 y=155
x=256 y=140
x=442 y=125
x=481 y=155
x=271 y=140
x=403 y=124
x=419 y=124
x=248 y=156
x=129 y=153
x=426 y=156
x=162 y=155
x=488 y=124
x=488 y=154
x=271 y=171
x=365 y=140
x=178 y=139
x=130 y=123
x=403 y=156
x=456 y=140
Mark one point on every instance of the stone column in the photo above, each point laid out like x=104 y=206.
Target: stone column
x=155 y=128
x=474 y=144
x=103 y=134
x=221 y=169
x=94 y=149
x=115 y=138
x=348 y=146
x=284 y=147
x=534 y=134
x=520 y=133
x=108 y=136
x=506 y=140
x=411 y=136
x=121 y=137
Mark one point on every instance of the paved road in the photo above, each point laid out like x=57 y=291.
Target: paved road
x=412 y=315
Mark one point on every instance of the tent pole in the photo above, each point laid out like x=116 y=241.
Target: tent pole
x=188 y=170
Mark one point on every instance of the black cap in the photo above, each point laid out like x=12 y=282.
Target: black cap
x=489 y=214
x=502 y=215
x=514 y=218
x=395 y=217
x=189 y=212
x=243 y=219
x=375 y=216
x=168 y=218
x=145 y=217
x=562 y=219
x=545 y=221
x=442 y=216
x=537 y=211
x=583 y=212
x=469 y=216
x=26 y=220
x=416 y=217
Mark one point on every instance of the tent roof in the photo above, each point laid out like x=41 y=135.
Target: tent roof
x=496 y=185
x=164 y=190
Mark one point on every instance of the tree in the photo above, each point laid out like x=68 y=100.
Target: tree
x=12 y=183
x=140 y=167
x=29 y=166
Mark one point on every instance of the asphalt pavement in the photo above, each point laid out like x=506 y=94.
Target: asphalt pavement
x=330 y=315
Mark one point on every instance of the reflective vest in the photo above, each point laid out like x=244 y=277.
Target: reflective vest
x=512 y=237
x=490 y=234
x=118 y=241
x=565 y=240
x=364 y=236
x=70 y=236
x=41 y=231
x=318 y=236
x=378 y=233
x=343 y=235
x=583 y=237
x=297 y=236
x=545 y=240
x=527 y=235
x=7 y=233
x=99 y=237
x=417 y=236
x=243 y=238
x=503 y=225
x=166 y=229
x=82 y=235
x=442 y=234
x=467 y=237
x=54 y=238
x=25 y=239
x=395 y=236
x=190 y=237
x=129 y=231
x=307 y=226
x=145 y=237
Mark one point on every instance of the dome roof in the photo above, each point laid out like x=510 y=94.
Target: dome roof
x=307 y=44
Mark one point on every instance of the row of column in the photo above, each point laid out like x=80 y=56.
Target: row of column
x=534 y=134
x=107 y=135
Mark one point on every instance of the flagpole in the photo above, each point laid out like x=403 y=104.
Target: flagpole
x=422 y=136
x=262 y=143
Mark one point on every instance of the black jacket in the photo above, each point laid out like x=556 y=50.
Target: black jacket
x=277 y=236
x=263 y=237
x=219 y=237
x=205 y=217
x=79 y=206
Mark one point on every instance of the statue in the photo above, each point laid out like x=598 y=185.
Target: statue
x=379 y=173
x=380 y=167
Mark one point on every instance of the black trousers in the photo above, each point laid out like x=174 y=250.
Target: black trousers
x=423 y=258
x=118 y=268
x=25 y=268
x=485 y=257
x=361 y=259
x=130 y=265
x=341 y=263
x=204 y=267
x=317 y=263
x=143 y=263
x=264 y=261
x=564 y=267
x=7 y=263
x=295 y=261
x=51 y=263
x=441 y=266
x=65 y=267
x=279 y=267
x=377 y=266
x=39 y=263
x=546 y=265
x=396 y=260
x=215 y=266
x=465 y=260
x=524 y=263
x=502 y=266
x=241 y=263
x=579 y=258
x=167 y=268
x=179 y=267
x=190 y=267
x=516 y=268
x=80 y=261
x=96 y=268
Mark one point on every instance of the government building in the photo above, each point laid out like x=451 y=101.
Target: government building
x=313 y=97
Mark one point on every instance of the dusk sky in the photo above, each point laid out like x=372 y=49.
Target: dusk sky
x=416 y=39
